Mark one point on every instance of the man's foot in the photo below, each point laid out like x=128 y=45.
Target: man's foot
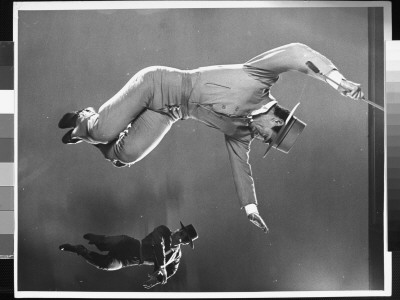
x=118 y=163
x=68 y=139
x=78 y=249
x=93 y=238
x=69 y=119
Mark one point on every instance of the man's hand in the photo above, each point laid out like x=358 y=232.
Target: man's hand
x=351 y=89
x=151 y=282
x=164 y=275
x=256 y=219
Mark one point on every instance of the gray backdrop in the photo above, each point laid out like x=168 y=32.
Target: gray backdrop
x=314 y=200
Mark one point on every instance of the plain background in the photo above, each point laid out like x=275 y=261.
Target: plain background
x=314 y=200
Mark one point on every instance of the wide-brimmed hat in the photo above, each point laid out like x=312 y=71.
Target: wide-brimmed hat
x=288 y=133
x=191 y=233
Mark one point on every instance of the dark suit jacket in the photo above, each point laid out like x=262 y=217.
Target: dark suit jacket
x=155 y=247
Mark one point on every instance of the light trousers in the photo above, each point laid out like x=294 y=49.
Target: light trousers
x=133 y=122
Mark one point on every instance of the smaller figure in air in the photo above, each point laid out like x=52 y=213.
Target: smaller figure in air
x=161 y=248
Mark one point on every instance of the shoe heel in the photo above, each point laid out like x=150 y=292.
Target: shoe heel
x=68 y=139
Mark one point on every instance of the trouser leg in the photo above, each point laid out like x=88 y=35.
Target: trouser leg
x=115 y=114
x=105 y=262
x=139 y=139
x=101 y=261
x=103 y=242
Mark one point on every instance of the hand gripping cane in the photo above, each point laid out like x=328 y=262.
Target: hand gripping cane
x=317 y=71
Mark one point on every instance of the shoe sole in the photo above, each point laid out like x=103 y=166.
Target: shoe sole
x=68 y=139
x=68 y=120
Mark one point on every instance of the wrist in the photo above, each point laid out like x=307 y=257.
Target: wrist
x=336 y=79
x=251 y=208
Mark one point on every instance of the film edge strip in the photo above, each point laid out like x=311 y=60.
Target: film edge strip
x=7 y=150
x=392 y=92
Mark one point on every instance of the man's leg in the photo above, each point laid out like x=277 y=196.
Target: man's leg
x=105 y=243
x=115 y=114
x=100 y=261
x=139 y=139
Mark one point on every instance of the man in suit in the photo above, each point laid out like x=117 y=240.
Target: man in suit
x=234 y=99
x=161 y=248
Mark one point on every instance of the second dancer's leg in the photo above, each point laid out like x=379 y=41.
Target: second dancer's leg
x=100 y=261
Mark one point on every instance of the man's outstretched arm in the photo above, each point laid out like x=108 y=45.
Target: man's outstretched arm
x=244 y=183
x=295 y=56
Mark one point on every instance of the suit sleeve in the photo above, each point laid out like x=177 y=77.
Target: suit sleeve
x=159 y=235
x=291 y=57
x=238 y=151
x=173 y=266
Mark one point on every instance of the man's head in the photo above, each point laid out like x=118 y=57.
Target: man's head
x=186 y=235
x=268 y=124
x=278 y=128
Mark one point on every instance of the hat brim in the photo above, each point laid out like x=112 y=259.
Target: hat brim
x=190 y=239
x=282 y=131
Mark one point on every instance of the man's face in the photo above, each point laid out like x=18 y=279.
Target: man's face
x=184 y=238
x=181 y=237
x=263 y=124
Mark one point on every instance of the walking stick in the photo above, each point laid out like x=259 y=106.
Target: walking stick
x=317 y=71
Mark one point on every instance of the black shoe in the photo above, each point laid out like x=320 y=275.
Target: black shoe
x=78 y=249
x=68 y=248
x=68 y=139
x=93 y=238
x=69 y=119
x=118 y=163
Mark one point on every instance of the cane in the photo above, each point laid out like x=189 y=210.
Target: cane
x=317 y=71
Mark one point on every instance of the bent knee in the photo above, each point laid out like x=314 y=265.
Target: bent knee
x=129 y=155
x=118 y=153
